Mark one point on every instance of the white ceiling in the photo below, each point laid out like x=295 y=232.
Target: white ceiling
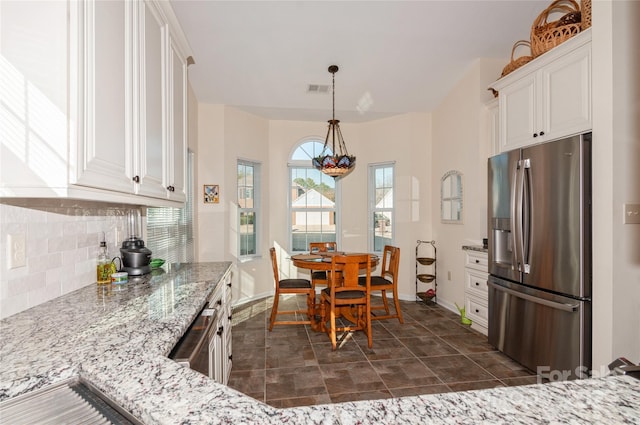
x=394 y=56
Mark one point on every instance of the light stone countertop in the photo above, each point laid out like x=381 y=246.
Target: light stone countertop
x=118 y=339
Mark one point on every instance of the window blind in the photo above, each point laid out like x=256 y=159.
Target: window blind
x=170 y=230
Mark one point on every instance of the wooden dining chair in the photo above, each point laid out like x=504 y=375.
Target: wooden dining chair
x=387 y=281
x=291 y=286
x=320 y=277
x=343 y=295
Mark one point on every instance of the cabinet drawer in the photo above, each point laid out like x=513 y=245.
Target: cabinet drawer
x=476 y=282
x=477 y=310
x=477 y=260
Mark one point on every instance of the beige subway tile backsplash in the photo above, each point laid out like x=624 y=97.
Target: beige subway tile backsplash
x=61 y=247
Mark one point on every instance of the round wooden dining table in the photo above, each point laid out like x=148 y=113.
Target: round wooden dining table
x=322 y=262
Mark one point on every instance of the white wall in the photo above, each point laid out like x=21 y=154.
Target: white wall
x=460 y=142
x=616 y=153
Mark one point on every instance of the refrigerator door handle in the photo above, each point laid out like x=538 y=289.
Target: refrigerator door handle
x=525 y=217
x=552 y=304
x=516 y=216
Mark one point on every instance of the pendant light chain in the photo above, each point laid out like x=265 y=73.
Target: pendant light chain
x=338 y=164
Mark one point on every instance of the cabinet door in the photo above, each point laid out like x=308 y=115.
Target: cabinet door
x=176 y=169
x=566 y=89
x=518 y=110
x=152 y=143
x=105 y=96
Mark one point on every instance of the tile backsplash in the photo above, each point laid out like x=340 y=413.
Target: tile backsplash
x=61 y=249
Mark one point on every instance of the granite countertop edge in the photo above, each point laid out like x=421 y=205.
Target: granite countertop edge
x=119 y=343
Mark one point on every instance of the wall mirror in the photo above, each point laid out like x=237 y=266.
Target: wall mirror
x=451 y=197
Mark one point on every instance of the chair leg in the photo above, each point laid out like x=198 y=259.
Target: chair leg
x=311 y=307
x=274 y=310
x=332 y=330
x=368 y=325
x=385 y=301
x=396 y=301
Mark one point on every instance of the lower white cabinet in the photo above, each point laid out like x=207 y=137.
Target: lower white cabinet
x=476 y=293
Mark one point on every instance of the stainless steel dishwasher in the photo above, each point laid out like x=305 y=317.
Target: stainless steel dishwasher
x=197 y=347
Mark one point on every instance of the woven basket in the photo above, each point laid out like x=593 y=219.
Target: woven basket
x=585 y=9
x=547 y=35
x=517 y=63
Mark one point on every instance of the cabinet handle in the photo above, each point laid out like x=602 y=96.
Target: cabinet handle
x=171 y=188
x=542 y=133
x=477 y=311
x=220 y=330
x=229 y=317
x=136 y=179
x=477 y=261
x=535 y=134
x=219 y=302
x=230 y=356
x=477 y=284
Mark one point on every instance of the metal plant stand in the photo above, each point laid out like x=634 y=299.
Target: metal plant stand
x=426 y=283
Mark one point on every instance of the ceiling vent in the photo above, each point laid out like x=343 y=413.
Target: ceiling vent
x=318 y=88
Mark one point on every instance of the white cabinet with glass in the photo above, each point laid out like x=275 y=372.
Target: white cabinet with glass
x=548 y=98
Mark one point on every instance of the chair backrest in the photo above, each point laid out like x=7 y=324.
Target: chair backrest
x=274 y=264
x=350 y=266
x=322 y=246
x=390 y=263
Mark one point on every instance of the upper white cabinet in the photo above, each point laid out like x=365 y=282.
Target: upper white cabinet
x=548 y=98
x=122 y=136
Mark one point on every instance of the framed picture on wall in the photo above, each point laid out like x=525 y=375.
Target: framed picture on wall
x=211 y=193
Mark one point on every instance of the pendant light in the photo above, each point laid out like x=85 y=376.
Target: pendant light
x=334 y=163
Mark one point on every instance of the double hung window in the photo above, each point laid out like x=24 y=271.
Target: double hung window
x=312 y=199
x=248 y=208
x=381 y=206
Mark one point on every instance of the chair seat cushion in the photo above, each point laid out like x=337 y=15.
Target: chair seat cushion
x=295 y=283
x=319 y=275
x=375 y=280
x=345 y=295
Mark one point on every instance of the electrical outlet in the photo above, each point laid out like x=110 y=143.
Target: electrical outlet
x=16 y=251
x=631 y=214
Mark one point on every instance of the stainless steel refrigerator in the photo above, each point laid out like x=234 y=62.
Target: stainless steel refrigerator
x=539 y=231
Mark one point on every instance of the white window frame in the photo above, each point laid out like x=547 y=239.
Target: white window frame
x=307 y=164
x=372 y=209
x=256 y=209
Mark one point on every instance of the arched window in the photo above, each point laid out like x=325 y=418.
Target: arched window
x=313 y=201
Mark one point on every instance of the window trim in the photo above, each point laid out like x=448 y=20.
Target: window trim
x=257 y=209
x=371 y=203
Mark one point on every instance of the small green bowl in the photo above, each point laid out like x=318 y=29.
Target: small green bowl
x=156 y=263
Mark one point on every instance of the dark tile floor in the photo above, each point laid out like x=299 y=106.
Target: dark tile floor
x=430 y=353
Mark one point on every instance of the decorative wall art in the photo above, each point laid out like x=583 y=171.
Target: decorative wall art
x=211 y=194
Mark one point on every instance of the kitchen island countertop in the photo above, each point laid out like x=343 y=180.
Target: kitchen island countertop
x=118 y=338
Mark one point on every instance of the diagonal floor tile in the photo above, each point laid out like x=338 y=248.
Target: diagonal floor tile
x=398 y=373
x=343 y=378
x=456 y=368
x=293 y=382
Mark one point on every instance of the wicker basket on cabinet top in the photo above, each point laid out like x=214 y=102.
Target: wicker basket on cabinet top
x=518 y=62
x=547 y=35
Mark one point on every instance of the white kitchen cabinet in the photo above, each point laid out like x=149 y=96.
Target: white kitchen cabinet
x=122 y=135
x=476 y=290
x=548 y=98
